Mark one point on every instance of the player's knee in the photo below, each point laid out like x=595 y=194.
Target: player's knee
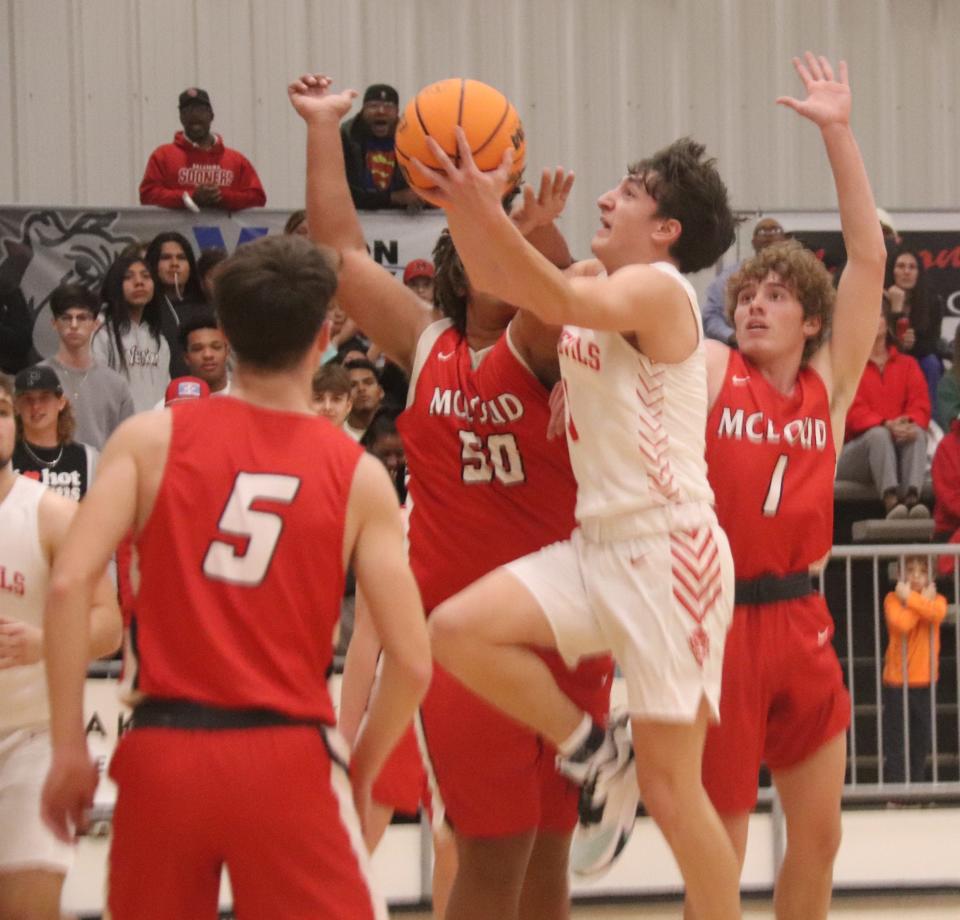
x=816 y=841
x=662 y=792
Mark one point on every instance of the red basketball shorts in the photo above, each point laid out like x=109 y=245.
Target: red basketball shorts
x=782 y=697
x=402 y=783
x=497 y=778
x=269 y=803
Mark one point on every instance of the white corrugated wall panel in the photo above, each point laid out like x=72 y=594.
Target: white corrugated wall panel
x=89 y=87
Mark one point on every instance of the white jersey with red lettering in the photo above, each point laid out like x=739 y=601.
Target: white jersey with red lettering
x=635 y=427
x=24 y=575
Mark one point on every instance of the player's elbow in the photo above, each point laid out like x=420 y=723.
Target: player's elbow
x=64 y=586
x=414 y=667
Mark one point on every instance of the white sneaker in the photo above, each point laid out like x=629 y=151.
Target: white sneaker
x=609 y=796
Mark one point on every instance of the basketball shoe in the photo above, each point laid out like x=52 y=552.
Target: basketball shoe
x=604 y=770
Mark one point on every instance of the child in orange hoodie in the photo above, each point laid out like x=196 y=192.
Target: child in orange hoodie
x=914 y=612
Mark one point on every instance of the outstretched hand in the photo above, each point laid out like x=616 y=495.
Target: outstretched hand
x=828 y=99
x=538 y=209
x=311 y=96
x=460 y=184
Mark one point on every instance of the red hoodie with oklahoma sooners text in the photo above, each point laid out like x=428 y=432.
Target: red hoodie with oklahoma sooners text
x=182 y=166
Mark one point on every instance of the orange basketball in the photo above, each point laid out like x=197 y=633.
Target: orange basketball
x=488 y=119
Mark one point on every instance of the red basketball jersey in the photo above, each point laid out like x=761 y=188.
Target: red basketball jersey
x=486 y=486
x=771 y=463
x=241 y=570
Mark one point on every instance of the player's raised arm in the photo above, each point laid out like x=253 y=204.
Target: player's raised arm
x=827 y=104
x=390 y=313
x=635 y=298
x=384 y=577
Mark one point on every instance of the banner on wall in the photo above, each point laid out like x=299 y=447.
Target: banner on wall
x=41 y=248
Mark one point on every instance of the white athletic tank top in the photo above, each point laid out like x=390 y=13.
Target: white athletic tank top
x=635 y=428
x=24 y=575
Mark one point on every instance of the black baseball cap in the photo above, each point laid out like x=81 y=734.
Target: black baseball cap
x=381 y=92
x=38 y=377
x=194 y=96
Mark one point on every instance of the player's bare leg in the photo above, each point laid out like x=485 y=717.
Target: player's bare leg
x=31 y=894
x=546 y=891
x=668 y=757
x=444 y=869
x=810 y=794
x=481 y=637
x=490 y=877
x=736 y=826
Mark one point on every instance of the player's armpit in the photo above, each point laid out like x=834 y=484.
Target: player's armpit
x=641 y=300
x=536 y=342
x=387 y=311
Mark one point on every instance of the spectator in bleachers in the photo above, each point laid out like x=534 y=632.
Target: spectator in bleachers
x=382 y=439
x=208 y=265
x=945 y=472
x=947 y=406
x=375 y=179
x=173 y=265
x=914 y=612
x=886 y=439
x=418 y=276
x=716 y=323
x=131 y=339
x=171 y=259
x=206 y=351
x=99 y=397
x=16 y=330
x=916 y=314
x=197 y=170
x=366 y=395
x=331 y=393
x=45 y=449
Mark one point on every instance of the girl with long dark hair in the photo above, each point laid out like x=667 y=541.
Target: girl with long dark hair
x=131 y=340
x=916 y=314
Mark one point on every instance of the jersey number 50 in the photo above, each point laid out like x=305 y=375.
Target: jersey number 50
x=496 y=455
x=260 y=529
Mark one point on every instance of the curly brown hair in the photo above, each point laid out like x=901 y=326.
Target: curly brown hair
x=451 y=290
x=802 y=272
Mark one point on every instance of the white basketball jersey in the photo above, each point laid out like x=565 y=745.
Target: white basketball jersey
x=635 y=428
x=24 y=574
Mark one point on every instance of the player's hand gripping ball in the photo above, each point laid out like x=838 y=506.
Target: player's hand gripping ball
x=486 y=116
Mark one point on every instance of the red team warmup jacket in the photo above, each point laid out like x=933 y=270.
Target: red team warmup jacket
x=182 y=166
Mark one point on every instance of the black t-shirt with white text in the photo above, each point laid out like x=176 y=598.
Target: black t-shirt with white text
x=67 y=469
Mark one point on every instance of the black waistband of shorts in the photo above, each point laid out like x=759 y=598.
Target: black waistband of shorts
x=767 y=589
x=192 y=716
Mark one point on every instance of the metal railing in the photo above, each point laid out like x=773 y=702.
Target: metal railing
x=860 y=644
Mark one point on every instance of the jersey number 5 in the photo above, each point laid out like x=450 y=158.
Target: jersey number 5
x=260 y=529
x=497 y=455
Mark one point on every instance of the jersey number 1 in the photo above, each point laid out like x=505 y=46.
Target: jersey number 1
x=260 y=529
x=771 y=503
